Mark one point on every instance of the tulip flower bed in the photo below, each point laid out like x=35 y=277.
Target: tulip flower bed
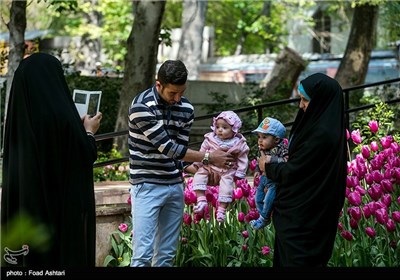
x=368 y=229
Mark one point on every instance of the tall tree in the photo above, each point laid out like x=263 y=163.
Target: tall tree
x=353 y=67
x=191 y=43
x=16 y=26
x=283 y=77
x=140 y=61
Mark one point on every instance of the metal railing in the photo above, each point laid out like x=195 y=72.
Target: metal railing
x=259 y=109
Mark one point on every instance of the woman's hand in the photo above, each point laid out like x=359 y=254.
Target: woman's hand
x=262 y=161
x=92 y=124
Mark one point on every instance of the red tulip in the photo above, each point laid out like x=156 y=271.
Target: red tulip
x=347 y=235
x=396 y=216
x=370 y=232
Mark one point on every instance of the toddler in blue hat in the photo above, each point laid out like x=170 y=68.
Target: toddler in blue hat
x=271 y=133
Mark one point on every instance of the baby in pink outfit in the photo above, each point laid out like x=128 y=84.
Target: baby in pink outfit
x=224 y=136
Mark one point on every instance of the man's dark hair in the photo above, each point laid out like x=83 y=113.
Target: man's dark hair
x=172 y=72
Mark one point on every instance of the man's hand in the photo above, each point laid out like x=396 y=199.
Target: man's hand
x=221 y=159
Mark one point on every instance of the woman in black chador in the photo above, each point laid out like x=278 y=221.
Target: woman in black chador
x=47 y=171
x=311 y=184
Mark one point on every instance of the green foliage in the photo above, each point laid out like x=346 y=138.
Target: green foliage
x=121 y=246
x=22 y=229
x=360 y=249
x=383 y=115
x=247 y=23
x=389 y=28
x=114 y=172
x=116 y=15
x=208 y=243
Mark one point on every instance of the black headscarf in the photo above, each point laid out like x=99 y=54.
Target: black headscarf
x=47 y=170
x=311 y=184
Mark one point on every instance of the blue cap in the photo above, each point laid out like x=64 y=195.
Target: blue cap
x=271 y=126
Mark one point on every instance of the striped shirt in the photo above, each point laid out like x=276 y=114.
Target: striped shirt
x=158 y=138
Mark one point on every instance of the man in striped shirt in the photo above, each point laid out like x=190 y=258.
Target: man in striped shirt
x=160 y=119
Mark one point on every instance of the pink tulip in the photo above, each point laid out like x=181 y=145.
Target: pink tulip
x=370 y=232
x=241 y=217
x=244 y=247
x=353 y=223
x=381 y=216
x=356 y=136
x=369 y=179
x=184 y=240
x=253 y=164
x=386 y=141
x=374 y=146
x=340 y=226
x=265 y=250
x=389 y=173
x=190 y=197
x=251 y=215
x=378 y=177
x=366 y=211
x=360 y=190
x=238 y=193
x=354 y=198
x=251 y=201
x=373 y=126
x=390 y=226
x=347 y=134
x=352 y=181
x=365 y=151
x=387 y=185
x=395 y=147
x=355 y=213
x=123 y=227
x=397 y=173
x=187 y=219
x=375 y=192
x=245 y=233
x=386 y=199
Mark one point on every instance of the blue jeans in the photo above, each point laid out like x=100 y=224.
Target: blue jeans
x=157 y=214
x=264 y=200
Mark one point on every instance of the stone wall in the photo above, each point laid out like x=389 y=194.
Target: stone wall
x=111 y=210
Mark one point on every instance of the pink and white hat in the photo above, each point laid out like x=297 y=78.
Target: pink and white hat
x=231 y=118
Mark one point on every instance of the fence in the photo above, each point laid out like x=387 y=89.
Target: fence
x=259 y=109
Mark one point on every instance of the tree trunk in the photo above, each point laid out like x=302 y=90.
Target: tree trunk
x=283 y=77
x=191 y=43
x=140 y=61
x=354 y=65
x=16 y=26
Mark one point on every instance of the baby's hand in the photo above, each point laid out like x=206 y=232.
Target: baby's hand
x=191 y=169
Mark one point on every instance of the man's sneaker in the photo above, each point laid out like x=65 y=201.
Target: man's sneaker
x=260 y=223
